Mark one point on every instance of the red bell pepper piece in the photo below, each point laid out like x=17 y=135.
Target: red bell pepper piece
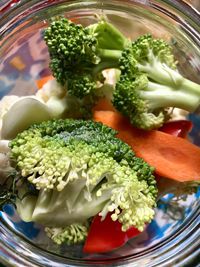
x=106 y=235
x=179 y=128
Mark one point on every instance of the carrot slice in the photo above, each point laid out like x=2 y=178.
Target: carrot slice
x=173 y=157
x=110 y=118
x=104 y=104
x=43 y=80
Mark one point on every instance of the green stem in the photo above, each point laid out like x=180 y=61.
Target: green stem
x=105 y=65
x=109 y=54
x=163 y=74
x=161 y=96
x=108 y=36
x=191 y=87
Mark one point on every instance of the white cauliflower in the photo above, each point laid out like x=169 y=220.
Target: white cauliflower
x=50 y=89
x=54 y=96
x=18 y=113
x=5 y=104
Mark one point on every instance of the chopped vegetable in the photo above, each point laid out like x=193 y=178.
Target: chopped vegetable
x=71 y=234
x=172 y=157
x=94 y=181
x=41 y=82
x=149 y=83
x=77 y=169
x=104 y=104
x=21 y=115
x=179 y=128
x=79 y=55
x=106 y=235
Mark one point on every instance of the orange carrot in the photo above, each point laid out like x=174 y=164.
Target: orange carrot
x=173 y=157
x=43 y=80
x=104 y=104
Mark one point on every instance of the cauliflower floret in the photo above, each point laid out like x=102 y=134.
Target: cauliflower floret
x=50 y=89
x=8 y=101
x=54 y=96
x=5 y=104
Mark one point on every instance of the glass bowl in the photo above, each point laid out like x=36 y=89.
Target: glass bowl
x=172 y=237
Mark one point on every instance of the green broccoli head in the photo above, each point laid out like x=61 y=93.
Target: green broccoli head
x=81 y=85
x=72 y=50
x=70 y=42
x=81 y=169
x=129 y=99
x=79 y=54
x=146 y=55
x=80 y=69
x=150 y=84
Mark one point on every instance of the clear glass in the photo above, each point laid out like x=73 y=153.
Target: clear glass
x=172 y=238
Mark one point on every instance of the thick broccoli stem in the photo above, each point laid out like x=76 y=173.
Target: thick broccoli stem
x=109 y=59
x=109 y=37
x=163 y=74
x=70 y=209
x=109 y=54
x=111 y=43
x=161 y=96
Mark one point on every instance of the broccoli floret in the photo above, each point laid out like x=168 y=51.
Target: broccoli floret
x=81 y=169
x=78 y=54
x=150 y=56
x=130 y=99
x=72 y=234
x=150 y=84
x=83 y=86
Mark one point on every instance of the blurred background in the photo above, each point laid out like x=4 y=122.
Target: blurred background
x=194 y=3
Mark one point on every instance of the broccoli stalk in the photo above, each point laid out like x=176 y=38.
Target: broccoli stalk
x=161 y=73
x=159 y=96
x=76 y=170
x=109 y=37
x=146 y=103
